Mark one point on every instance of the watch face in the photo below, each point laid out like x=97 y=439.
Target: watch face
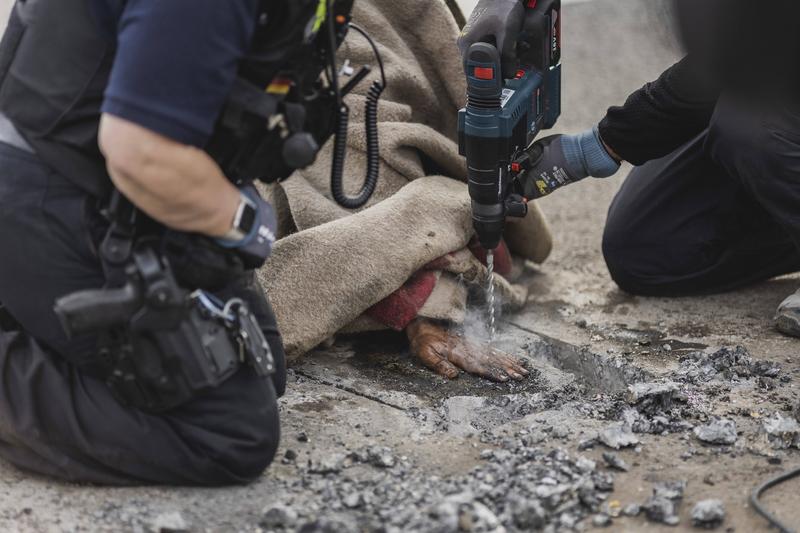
x=248 y=219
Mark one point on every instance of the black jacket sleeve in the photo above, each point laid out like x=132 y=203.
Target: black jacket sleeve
x=662 y=115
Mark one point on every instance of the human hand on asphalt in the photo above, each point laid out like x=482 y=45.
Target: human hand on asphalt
x=445 y=353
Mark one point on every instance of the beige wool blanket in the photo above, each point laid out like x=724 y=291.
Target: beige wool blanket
x=331 y=265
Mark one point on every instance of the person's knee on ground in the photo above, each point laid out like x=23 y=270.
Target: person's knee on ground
x=643 y=256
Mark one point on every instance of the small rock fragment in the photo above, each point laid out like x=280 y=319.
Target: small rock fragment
x=632 y=509
x=656 y=394
x=766 y=369
x=601 y=520
x=382 y=456
x=615 y=462
x=302 y=437
x=326 y=465
x=708 y=514
x=278 y=516
x=662 y=511
x=170 y=522
x=663 y=506
x=528 y=514
x=353 y=500
x=619 y=436
x=718 y=431
x=782 y=433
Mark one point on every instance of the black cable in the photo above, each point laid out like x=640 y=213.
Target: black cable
x=370 y=125
x=761 y=489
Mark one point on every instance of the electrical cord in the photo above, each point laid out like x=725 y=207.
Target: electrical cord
x=342 y=123
x=764 y=487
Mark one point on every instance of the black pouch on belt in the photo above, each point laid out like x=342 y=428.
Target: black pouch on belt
x=163 y=345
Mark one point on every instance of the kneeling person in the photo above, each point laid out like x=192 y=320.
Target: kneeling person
x=100 y=96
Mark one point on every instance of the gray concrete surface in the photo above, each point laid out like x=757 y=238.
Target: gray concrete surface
x=578 y=329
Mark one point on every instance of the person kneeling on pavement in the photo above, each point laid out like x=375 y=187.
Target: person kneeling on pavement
x=135 y=343
x=712 y=204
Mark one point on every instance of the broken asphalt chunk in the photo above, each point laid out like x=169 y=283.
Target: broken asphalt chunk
x=615 y=462
x=720 y=431
x=658 y=395
x=663 y=506
x=708 y=514
x=618 y=436
x=782 y=433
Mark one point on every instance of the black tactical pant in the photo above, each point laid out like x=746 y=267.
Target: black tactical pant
x=59 y=420
x=720 y=213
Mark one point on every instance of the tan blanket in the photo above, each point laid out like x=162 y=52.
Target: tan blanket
x=330 y=264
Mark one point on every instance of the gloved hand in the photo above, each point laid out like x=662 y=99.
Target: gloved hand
x=256 y=247
x=559 y=160
x=500 y=21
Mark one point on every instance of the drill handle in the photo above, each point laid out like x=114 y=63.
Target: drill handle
x=484 y=77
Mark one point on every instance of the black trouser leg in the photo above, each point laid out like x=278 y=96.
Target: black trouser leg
x=705 y=219
x=59 y=420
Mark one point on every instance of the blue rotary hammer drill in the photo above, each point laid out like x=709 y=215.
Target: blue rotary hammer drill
x=503 y=117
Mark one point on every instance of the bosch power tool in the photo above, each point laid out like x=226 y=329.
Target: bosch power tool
x=503 y=117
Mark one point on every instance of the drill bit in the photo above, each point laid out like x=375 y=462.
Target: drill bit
x=490 y=293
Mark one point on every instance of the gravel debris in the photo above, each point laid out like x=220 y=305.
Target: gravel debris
x=632 y=509
x=380 y=456
x=728 y=364
x=782 y=433
x=518 y=487
x=708 y=514
x=614 y=461
x=327 y=465
x=170 y=522
x=718 y=431
x=618 y=436
x=278 y=516
x=664 y=504
x=601 y=520
x=652 y=396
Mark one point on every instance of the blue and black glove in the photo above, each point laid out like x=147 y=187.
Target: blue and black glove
x=258 y=225
x=560 y=160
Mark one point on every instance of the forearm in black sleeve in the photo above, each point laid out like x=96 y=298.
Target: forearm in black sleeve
x=662 y=115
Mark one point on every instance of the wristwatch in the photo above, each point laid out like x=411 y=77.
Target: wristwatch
x=243 y=220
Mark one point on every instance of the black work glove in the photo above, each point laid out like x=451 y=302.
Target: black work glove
x=255 y=248
x=559 y=160
x=499 y=22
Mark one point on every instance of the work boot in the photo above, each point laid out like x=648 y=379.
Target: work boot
x=788 y=318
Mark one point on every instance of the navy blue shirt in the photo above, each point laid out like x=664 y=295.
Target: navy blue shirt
x=176 y=61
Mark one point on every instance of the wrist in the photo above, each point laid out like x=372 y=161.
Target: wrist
x=586 y=155
x=243 y=225
x=614 y=155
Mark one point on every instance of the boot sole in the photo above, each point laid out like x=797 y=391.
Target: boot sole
x=788 y=325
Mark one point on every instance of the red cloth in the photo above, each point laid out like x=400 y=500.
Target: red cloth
x=402 y=306
x=502 y=257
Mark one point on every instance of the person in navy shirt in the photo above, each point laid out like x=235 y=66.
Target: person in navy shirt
x=103 y=94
